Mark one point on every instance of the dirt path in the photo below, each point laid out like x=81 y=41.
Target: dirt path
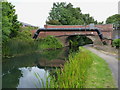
x=112 y=62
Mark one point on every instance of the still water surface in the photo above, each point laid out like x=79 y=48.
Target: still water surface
x=19 y=72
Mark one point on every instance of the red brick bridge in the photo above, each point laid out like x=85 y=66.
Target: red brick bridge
x=97 y=34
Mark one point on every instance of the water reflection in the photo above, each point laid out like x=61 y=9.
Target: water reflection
x=11 y=79
x=29 y=79
x=18 y=72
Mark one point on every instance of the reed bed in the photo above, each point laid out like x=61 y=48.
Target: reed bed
x=17 y=46
x=22 y=45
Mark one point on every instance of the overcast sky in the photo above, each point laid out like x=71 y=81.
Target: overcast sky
x=35 y=12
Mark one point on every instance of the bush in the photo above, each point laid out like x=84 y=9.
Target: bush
x=50 y=42
x=25 y=35
x=116 y=43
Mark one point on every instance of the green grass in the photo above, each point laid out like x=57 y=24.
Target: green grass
x=83 y=70
x=100 y=75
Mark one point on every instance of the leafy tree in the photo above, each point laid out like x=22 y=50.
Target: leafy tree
x=66 y=14
x=101 y=22
x=114 y=19
x=88 y=19
x=10 y=25
x=53 y=22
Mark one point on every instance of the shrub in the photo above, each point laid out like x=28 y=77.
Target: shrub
x=116 y=43
x=50 y=42
x=25 y=35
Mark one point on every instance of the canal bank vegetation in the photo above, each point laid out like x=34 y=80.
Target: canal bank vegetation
x=50 y=42
x=16 y=39
x=23 y=44
x=116 y=43
x=83 y=70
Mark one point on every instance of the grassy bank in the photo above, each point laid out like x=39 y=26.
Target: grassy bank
x=100 y=75
x=83 y=70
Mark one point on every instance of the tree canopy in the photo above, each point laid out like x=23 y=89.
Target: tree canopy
x=10 y=25
x=66 y=14
x=114 y=19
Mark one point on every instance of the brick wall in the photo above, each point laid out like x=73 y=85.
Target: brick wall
x=103 y=27
x=60 y=33
x=106 y=30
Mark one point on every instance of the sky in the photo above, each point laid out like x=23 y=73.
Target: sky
x=35 y=12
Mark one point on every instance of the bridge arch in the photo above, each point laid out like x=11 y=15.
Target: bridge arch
x=93 y=39
x=80 y=39
x=102 y=33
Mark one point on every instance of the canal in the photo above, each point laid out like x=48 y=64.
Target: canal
x=20 y=71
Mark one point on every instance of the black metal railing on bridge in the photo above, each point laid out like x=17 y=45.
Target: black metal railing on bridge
x=68 y=29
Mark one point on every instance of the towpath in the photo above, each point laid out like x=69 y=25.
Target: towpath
x=111 y=60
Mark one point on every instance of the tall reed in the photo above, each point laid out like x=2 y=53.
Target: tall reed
x=74 y=73
x=25 y=44
x=18 y=46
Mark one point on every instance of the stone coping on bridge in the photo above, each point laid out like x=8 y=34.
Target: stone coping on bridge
x=75 y=25
x=102 y=27
x=67 y=29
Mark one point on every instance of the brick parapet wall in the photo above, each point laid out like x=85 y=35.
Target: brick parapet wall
x=106 y=30
x=60 y=33
x=103 y=27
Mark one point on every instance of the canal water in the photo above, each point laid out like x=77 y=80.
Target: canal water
x=20 y=71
